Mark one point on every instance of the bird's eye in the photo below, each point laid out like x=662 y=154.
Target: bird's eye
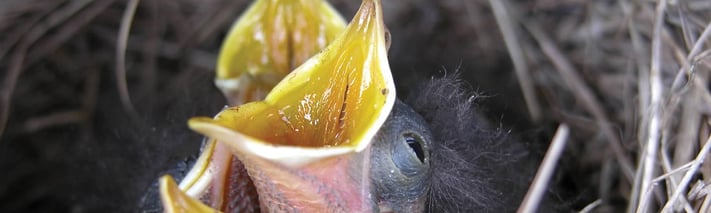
x=415 y=143
x=410 y=154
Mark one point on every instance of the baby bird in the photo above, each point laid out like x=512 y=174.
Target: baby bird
x=332 y=137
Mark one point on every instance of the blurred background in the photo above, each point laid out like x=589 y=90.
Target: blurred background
x=68 y=144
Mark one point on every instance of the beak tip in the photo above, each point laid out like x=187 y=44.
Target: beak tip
x=175 y=200
x=199 y=123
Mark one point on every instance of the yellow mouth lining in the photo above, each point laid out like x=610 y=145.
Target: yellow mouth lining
x=337 y=99
x=331 y=105
x=269 y=40
x=276 y=36
x=252 y=58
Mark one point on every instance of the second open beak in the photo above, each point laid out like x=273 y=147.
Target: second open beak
x=268 y=41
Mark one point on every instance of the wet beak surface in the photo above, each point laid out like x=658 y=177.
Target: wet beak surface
x=264 y=44
x=268 y=41
x=304 y=146
x=175 y=200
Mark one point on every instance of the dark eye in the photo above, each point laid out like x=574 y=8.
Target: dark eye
x=415 y=143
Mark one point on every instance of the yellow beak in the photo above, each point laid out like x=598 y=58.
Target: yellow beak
x=175 y=200
x=303 y=146
x=268 y=41
x=265 y=44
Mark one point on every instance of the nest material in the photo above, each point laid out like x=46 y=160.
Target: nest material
x=92 y=87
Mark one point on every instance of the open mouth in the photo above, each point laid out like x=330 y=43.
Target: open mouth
x=333 y=103
x=268 y=41
x=303 y=145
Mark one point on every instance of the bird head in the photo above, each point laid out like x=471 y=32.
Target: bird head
x=309 y=146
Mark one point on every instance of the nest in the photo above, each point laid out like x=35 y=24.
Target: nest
x=98 y=87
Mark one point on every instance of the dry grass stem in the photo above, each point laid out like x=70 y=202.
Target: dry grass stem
x=590 y=207
x=583 y=93
x=648 y=158
x=499 y=7
x=121 y=43
x=20 y=51
x=688 y=176
x=699 y=44
x=675 y=171
x=545 y=171
x=60 y=118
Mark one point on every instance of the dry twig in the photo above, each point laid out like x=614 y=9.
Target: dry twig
x=688 y=176
x=648 y=158
x=583 y=93
x=121 y=43
x=543 y=176
x=20 y=53
x=503 y=19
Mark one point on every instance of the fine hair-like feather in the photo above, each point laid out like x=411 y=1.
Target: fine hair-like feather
x=475 y=167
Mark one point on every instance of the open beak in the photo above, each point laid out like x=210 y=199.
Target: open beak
x=305 y=145
x=268 y=41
